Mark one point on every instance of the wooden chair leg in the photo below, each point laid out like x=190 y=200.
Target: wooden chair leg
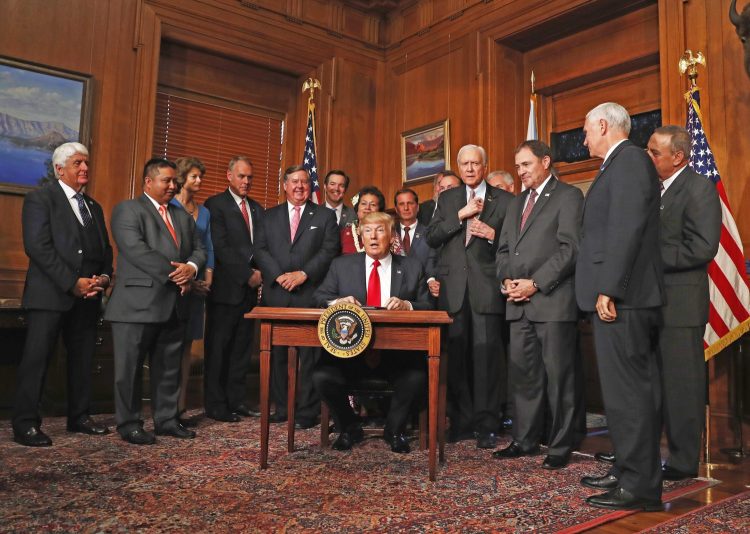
x=325 y=417
x=423 y=429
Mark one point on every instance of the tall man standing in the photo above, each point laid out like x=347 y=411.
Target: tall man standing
x=336 y=184
x=619 y=281
x=690 y=231
x=294 y=248
x=160 y=253
x=535 y=261
x=70 y=264
x=234 y=219
x=465 y=227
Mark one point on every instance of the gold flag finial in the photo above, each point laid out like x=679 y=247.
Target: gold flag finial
x=533 y=81
x=311 y=84
x=689 y=63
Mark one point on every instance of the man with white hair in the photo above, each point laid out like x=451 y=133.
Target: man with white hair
x=70 y=264
x=619 y=281
x=466 y=229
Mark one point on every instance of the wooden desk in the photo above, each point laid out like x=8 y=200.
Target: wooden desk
x=392 y=330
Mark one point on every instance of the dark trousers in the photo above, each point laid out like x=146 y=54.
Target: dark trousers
x=308 y=401
x=542 y=361
x=333 y=377
x=477 y=375
x=228 y=346
x=683 y=374
x=631 y=388
x=78 y=328
x=162 y=343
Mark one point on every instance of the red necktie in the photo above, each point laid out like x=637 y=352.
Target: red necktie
x=163 y=213
x=373 y=288
x=246 y=216
x=406 y=241
x=529 y=207
x=295 y=222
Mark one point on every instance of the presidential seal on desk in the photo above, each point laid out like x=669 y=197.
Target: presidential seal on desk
x=344 y=330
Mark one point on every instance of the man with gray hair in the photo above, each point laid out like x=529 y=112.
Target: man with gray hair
x=70 y=264
x=465 y=229
x=502 y=180
x=619 y=281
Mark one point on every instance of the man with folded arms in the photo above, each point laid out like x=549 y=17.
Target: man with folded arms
x=160 y=253
x=374 y=277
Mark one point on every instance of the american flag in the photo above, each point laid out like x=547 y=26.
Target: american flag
x=729 y=311
x=309 y=160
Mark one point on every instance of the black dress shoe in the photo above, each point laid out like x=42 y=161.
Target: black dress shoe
x=398 y=442
x=33 y=437
x=606 y=457
x=175 y=429
x=486 y=440
x=348 y=438
x=245 y=410
x=139 y=436
x=277 y=418
x=303 y=423
x=514 y=450
x=86 y=425
x=224 y=416
x=670 y=473
x=622 y=499
x=606 y=482
x=555 y=462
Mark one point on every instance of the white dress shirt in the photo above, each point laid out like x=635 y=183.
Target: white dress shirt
x=666 y=183
x=338 y=209
x=479 y=192
x=171 y=221
x=239 y=200
x=71 y=193
x=538 y=193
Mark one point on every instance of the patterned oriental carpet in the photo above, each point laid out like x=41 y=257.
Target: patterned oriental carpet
x=213 y=483
x=730 y=515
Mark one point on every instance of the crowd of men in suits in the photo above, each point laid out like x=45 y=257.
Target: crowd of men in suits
x=632 y=257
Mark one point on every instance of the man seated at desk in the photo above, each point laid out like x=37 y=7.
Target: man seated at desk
x=377 y=278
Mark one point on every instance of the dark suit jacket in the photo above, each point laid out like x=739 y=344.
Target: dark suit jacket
x=315 y=245
x=143 y=292
x=690 y=232
x=426 y=209
x=420 y=250
x=347 y=277
x=233 y=249
x=544 y=251
x=472 y=266
x=619 y=254
x=51 y=239
x=347 y=215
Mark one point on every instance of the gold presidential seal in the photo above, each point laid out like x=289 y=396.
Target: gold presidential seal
x=344 y=330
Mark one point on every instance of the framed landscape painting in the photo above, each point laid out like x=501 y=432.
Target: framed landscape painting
x=425 y=152
x=40 y=108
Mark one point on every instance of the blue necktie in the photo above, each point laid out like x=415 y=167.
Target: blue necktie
x=85 y=215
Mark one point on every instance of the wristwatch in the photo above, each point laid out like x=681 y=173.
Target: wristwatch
x=534 y=284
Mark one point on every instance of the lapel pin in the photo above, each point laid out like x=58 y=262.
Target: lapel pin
x=546 y=194
x=398 y=271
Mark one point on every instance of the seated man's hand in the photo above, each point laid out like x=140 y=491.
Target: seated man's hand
x=348 y=300
x=395 y=303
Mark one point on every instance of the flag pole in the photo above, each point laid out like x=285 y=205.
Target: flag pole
x=309 y=156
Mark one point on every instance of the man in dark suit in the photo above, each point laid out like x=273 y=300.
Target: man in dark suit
x=70 y=264
x=443 y=180
x=335 y=185
x=294 y=248
x=536 y=258
x=412 y=232
x=159 y=254
x=374 y=278
x=466 y=227
x=619 y=281
x=234 y=218
x=690 y=225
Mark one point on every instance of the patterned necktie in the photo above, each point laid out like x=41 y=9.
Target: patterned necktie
x=406 y=241
x=163 y=213
x=529 y=207
x=373 y=288
x=472 y=195
x=85 y=215
x=661 y=187
x=295 y=222
x=246 y=216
